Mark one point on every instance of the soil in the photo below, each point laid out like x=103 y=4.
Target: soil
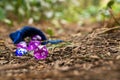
x=90 y=52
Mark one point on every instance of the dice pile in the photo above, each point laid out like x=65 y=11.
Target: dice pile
x=34 y=45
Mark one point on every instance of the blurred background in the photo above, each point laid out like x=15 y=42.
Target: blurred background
x=88 y=47
x=66 y=11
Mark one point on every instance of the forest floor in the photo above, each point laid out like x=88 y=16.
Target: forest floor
x=91 y=52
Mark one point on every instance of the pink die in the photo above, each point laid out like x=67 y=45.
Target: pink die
x=40 y=52
x=33 y=45
x=36 y=37
x=22 y=44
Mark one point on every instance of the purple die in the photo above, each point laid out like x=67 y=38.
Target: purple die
x=20 y=52
x=36 y=37
x=41 y=52
x=33 y=45
x=22 y=44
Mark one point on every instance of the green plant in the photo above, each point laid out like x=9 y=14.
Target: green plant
x=2 y=14
x=67 y=10
x=40 y=9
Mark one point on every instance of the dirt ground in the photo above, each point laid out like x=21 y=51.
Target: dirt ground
x=91 y=52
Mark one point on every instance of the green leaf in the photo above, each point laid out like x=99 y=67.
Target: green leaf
x=50 y=31
x=110 y=3
x=8 y=21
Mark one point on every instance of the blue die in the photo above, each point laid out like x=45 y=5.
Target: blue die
x=20 y=52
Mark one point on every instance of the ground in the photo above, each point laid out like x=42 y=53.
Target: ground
x=90 y=52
